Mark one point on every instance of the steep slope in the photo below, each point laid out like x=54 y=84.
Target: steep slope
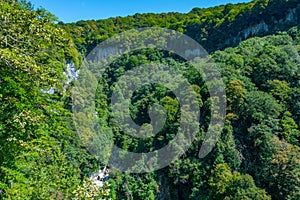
x=40 y=155
x=214 y=28
x=259 y=145
x=256 y=157
x=260 y=142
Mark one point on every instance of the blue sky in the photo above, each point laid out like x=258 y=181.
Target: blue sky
x=74 y=10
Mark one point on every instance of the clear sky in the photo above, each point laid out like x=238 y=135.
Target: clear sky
x=74 y=10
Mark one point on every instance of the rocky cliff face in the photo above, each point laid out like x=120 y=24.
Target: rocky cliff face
x=264 y=28
x=254 y=30
x=291 y=15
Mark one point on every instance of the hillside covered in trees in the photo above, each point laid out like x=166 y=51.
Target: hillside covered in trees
x=214 y=28
x=255 y=46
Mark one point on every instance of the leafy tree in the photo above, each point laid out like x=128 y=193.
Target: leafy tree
x=233 y=185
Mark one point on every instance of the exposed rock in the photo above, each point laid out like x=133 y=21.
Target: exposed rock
x=71 y=72
x=291 y=15
x=100 y=177
x=255 y=29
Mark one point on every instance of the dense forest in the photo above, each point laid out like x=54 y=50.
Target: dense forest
x=214 y=28
x=255 y=46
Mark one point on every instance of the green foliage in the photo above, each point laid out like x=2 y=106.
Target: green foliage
x=214 y=28
x=276 y=163
x=261 y=106
x=37 y=148
x=42 y=157
x=41 y=171
x=290 y=129
x=133 y=186
x=261 y=75
x=89 y=191
x=233 y=185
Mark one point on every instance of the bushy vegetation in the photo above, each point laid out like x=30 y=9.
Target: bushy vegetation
x=41 y=157
x=214 y=28
x=256 y=157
